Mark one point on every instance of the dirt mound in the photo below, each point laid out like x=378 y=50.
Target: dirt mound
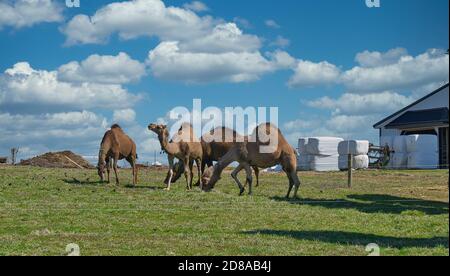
x=63 y=159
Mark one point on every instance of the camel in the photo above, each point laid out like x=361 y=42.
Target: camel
x=115 y=146
x=250 y=154
x=185 y=147
x=215 y=146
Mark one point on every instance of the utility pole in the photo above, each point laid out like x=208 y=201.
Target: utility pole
x=14 y=152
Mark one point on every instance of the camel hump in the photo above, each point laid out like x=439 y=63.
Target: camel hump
x=115 y=126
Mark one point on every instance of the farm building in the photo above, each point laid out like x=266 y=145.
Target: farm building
x=427 y=116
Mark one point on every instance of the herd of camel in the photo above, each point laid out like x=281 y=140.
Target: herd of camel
x=211 y=147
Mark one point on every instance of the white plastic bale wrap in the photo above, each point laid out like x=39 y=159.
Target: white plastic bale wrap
x=400 y=144
x=323 y=146
x=302 y=142
x=360 y=162
x=353 y=147
x=303 y=162
x=422 y=143
x=387 y=141
x=321 y=163
x=421 y=160
x=399 y=160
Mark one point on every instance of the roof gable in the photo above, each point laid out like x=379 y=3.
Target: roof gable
x=378 y=125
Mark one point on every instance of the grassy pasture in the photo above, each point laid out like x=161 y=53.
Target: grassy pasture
x=43 y=210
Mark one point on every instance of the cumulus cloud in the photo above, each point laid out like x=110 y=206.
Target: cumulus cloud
x=23 y=86
x=355 y=104
x=377 y=71
x=281 y=42
x=223 y=38
x=103 y=69
x=136 y=18
x=308 y=74
x=376 y=59
x=408 y=72
x=79 y=131
x=168 y=61
x=272 y=24
x=124 y=116
x=26 y=13
x=196 y=6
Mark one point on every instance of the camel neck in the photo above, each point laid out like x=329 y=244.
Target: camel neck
x=168 y=147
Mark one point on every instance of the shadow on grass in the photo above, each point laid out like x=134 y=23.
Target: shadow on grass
x=137 y=187
x=376 y=204
x=356 y=238
x=75 y=181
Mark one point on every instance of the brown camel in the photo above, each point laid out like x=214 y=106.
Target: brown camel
x=259 y=151
x=184 y=146
x=215 y=145
x=115 y=146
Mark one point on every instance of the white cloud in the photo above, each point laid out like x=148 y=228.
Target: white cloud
x=23 y=86
x=281 y=42
x=272 y=24
x=77 y=131
x=124 y=116
x=167 y=61
x=355 y=104
x=223 y=38
x=136 y=18
x=244 y=23
x=408 y=72
x=376 y=59
x=26 y=13
x=393 y=70
x=308 y=74
x=196 y=6
x=103 y=69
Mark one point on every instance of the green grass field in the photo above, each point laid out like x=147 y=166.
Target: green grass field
x=43 y=210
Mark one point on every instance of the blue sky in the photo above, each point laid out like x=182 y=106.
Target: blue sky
x=344 y=66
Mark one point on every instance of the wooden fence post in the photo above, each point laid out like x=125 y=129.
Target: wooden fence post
x=350 y=170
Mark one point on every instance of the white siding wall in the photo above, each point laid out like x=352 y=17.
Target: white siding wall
x=438 y=100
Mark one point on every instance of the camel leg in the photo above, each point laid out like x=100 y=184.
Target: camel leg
x=256 y=169
x=249 y=173
x=108 y=169
x=296 y=181
x=191 y=170
x=187 y=173
x=291 y=185
x=199 y=163
x=116 y=169
x=234 y=175
x=170 y=159
x=132 y=162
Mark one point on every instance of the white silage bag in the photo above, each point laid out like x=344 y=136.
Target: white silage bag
x=320 y=163
x=422 y=160
x=303 y=162
x=387 y=141
x=353 y=147
x=399 y=144
x=360 y=162
x=302 y=142
x=323 y=145
x=399 y=160
x=422 y=143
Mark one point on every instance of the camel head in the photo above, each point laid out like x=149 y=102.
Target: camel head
x=210 y=178
x=160 y=130
x=101 y=170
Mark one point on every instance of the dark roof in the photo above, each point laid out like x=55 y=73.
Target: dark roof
x=421 y=118
x=409 y=106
